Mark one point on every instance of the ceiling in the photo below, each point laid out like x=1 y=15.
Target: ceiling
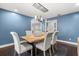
x=54 y=9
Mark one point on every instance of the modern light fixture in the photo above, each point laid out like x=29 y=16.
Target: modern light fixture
x=40 y=7
x=39 y=18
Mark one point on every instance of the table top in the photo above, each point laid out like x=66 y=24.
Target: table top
x=31 y=38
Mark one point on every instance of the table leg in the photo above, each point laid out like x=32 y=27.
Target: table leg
x=33 y=45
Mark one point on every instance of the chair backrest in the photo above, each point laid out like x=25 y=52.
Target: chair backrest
x=28 y=32
x=16 y=41
x=54 y=37
x=47 y=41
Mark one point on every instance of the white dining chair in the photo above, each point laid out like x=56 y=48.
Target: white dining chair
x=54 y=38
x=20 y=48
x=46 y=44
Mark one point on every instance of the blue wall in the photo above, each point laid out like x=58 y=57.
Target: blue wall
x=68 y=26
x=10 y=21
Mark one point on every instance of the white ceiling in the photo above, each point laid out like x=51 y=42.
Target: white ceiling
x=53 y=8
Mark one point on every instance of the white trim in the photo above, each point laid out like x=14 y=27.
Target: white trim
x=10 y=44
x=71 y=43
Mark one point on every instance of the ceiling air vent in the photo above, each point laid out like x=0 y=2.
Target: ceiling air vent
x=40 y=7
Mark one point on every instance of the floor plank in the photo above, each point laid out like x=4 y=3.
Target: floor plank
x=62 y=50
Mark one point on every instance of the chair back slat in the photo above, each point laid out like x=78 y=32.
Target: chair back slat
x=47 y=41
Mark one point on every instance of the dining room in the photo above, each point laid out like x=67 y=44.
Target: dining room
x=39 y=29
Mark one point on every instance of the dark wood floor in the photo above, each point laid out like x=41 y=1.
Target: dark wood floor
x=62 y=50
x=71 y=50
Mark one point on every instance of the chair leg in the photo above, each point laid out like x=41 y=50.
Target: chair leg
x=31 y=52
x=53 y=49
x=44 y=53
x=50 y=52
x=19 y=55
x=14 y=53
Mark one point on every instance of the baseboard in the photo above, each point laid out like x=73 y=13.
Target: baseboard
x=7 y=45
x=66 y=42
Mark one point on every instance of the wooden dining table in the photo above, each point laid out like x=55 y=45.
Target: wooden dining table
x=32 y=39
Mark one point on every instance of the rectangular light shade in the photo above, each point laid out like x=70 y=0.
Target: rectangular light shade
x=40 y=7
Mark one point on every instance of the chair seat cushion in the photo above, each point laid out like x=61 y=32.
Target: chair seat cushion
x=40 y=46
x=25 y=47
